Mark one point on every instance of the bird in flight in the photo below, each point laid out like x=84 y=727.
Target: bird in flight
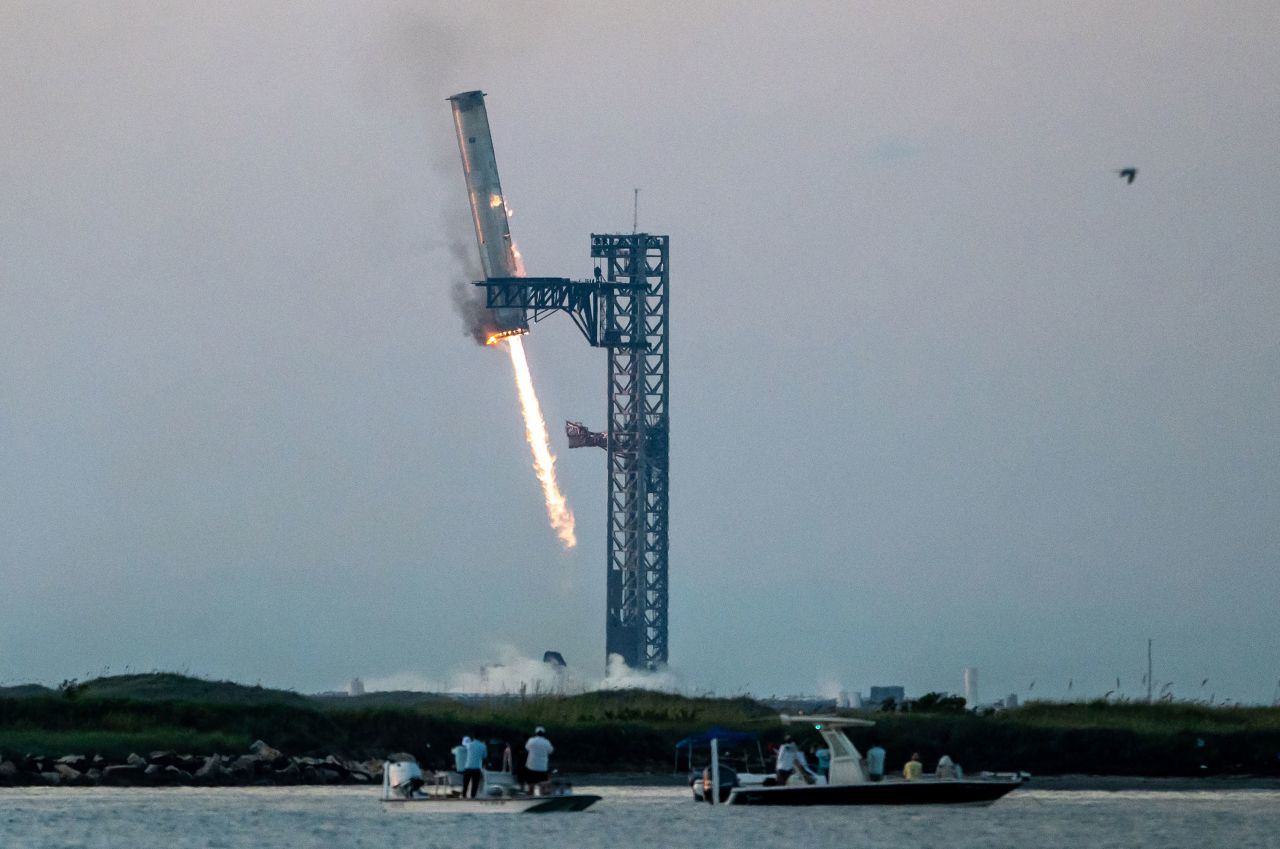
x=1128 y=174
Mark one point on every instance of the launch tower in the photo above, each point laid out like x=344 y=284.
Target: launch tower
x=623 y=310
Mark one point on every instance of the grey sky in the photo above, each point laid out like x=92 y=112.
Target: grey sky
x=945 y=391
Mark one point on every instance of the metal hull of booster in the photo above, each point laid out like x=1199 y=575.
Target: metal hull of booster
x=488 y=205
x=635 y=333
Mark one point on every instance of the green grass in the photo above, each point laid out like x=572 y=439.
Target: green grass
x=1168 y=717
x=169 y=686
x=116 y=744
x=618 y=730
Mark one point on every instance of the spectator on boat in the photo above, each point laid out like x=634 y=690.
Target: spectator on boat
x=802 y=766
x=537 y=766
x=786 y=761
x=473 y=774
x=947 y=767
x=913 y=768
x=460 y=755
x=875 y=761
x=823 y=757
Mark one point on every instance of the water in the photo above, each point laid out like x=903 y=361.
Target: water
x=262 y=818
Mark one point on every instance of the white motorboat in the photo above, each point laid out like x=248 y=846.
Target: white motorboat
x=847 y=782
x=405 y=788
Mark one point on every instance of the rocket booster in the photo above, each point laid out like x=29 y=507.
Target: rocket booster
x=488 y=206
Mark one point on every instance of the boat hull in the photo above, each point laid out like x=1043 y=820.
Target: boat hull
x=924 y=792
x=531 y=805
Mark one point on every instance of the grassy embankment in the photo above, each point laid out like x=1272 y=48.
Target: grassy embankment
x=618 y=731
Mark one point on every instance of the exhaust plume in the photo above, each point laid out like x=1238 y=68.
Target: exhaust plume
x=535 y=430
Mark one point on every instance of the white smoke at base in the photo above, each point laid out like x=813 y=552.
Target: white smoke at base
x=619 y=676
x=515 y=674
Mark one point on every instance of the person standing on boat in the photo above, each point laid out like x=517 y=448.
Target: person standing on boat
x=823 y=757
x=537 y=766
x=460 y=755
x=473 y=773
x=788 y=754
x=875 y=761
x=913 y=768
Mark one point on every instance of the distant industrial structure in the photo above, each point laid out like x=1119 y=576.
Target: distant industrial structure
x=970 y=687
x=894 y=693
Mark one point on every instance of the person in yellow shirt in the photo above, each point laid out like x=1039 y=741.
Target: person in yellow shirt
x=913 y=769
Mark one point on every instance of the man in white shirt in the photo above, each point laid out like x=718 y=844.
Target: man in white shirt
x=537 y=766
x=788 y=753
x=460 y=755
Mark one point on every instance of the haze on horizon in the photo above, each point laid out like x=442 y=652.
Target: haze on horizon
x=946 y=391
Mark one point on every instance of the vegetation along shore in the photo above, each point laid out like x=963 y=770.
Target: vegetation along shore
x=182 y=730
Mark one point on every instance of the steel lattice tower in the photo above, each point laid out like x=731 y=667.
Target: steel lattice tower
x=624 y=309
x=635 y=333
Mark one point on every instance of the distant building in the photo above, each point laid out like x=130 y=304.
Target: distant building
x=842 y=700
x=971 y=687
x=355 y=688
x=1011 y=700
x=879 y=695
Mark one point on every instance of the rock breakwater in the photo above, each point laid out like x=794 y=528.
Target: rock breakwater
x=260 y=766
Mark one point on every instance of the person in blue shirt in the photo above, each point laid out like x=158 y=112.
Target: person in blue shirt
x=473 y=772
x=823 y=756
x=875 y=761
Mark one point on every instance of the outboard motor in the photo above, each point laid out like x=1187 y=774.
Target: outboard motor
x=404 y=778
x=728 y=781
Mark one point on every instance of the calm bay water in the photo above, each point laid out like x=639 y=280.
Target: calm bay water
x=630 y=817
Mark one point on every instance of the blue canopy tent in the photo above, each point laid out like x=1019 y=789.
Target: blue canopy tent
x=722 y=736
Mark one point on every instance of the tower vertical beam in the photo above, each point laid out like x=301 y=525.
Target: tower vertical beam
x=636 y=334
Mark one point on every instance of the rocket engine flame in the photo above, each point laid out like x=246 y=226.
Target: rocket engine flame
x=498 y=335
x=535 y=430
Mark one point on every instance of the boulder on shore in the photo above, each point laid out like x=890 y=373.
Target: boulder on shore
x=77 y=762
x=123 y=775
x=176 y=775
x=9 y=774
x=212 y=770
x=69 y=774
x=289 y=775
x=244 y=766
